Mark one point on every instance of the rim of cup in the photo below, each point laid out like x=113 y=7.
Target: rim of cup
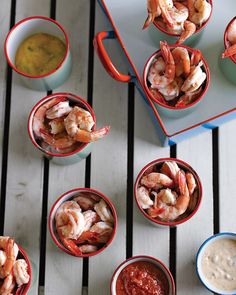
x=22 y=290
x=198 y=262
x=44 y=100
x=186 y=167
x=146 y=70
x=176 y=35
x=226 y=39
x=20 y=23
x=68 y=196
x=146 y=258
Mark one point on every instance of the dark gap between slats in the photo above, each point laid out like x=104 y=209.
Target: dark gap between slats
x=130 y=169
x=173 y=230
x=92 y=14
x=6 y=131
x=43 y=230
x=216 y=206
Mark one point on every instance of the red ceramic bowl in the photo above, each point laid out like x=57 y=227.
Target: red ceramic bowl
x=142 y=258
x=226 y=42
x=185 y=167
x=170 y=110
x=78 y=101
x=177 y=35
x=68 y=196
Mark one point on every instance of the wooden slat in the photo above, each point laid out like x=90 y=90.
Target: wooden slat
x=63 y=274
x=198 y=153
x=148 y=239
x=24 y=183
x=227 y=163
x=109 y=161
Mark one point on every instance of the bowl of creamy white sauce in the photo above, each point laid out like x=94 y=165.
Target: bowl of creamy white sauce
x=216 y=263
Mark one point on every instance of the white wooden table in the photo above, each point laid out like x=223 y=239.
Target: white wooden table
x=30 y=184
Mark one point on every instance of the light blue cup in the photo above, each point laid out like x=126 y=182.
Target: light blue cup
x=83 y=149
x=30 y=26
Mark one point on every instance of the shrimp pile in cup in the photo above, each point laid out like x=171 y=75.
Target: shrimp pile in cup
x=167 y=193
x=178 y=17
x=13 y=271
x=60 y=126
x=176 y=77
x=84 y=224
x=230 y=41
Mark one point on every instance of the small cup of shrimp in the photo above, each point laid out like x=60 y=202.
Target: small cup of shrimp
x=83 y=222
x=168 y=192
x=181 y=20
x=63 y=126
x=15 y=269
x=228 y=61
x=176 y=78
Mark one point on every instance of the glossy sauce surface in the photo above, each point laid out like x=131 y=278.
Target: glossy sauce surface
x=219 y=264
x=39 y=54
x=142 y=278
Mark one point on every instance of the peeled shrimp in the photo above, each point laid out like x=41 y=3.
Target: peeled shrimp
x=79 y=123
x=7 y=244
x=88 y=248
x=191 y=182
x=179 y=12
x=57 y=125
x=59 y=110
x=59 y=141
x=194 y=80
x=199 y=11
x=182 y=61
x=20 y=272
x=90 y=217
x=103 y=231
x=104 y=211
x=170 y=91
x=8 y=285
x=143 y=198
x=3 y=257
x=188 y=98
x=69 y=220
x=171 y=169
x=156 y=180
x=231 y=38
x=85 y=202
x=189 y=28
x=153 y=12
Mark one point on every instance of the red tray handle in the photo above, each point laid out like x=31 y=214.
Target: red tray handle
x=104 y=57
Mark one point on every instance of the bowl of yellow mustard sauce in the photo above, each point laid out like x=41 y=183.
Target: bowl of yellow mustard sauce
x=37 y=48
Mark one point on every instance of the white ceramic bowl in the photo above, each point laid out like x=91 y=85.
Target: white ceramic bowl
x=150 y=259
x=200 y=253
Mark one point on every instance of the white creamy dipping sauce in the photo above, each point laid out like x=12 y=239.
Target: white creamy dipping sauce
x=219 y=264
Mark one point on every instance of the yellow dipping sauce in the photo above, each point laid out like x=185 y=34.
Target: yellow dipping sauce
x=39 y=54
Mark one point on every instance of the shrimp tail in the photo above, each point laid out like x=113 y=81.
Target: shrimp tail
x=229 y=51
x=71 y=246
x=86 y=136
x=189 y=30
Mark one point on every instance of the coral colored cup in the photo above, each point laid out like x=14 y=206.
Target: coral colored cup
x=83 y=150
x=201 y=275
x=192 y=40
x=22 y=290
x=228 y=64
x=170 y=111
x=26 y=28
x=183 y=166
x=68 y=196
x=143 y=258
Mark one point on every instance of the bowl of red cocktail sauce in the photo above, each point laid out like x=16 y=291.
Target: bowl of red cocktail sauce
x=142 y=275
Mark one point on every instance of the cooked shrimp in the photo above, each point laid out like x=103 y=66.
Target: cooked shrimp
x=20 y=271
x=191 y=182
x=188 y=98
x=40 y=114
x=194 y=80
x=196 y=57
x=156 y=180
x=85 y=202
x=229 y=51
x=153 y=12
x=104 y=211
x=88 y=248
x=173 y=208
x=70 y=245
x=143 y=198
x=3 y=257
x=170 y=91
x=165 y=6
x=193 y=201
x=59 y=141
x=182 y=61
x=69 y=220
x=199 y=11
x=179 y=12
x=104 y=231
x=59 y=110
x=57 y=125
x=171 y=169
x=90 y=217
x=231 y=32
x=157 y=95
x=7 y=244
x=189 y=28
x=79 y=123
x=8 y=285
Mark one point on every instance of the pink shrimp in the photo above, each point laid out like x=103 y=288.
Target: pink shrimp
x=7 y=244
x=20 y=271
x=90 y=217
x=199 y=11
x=59 y=110
x=57 y=125
x=230 y=51
x=231 y=40
x=171 y=169
x=8 y=285
x=188 y=98
x=194 y=80
x=156 y=180
x=153 y=12
x=182 y=61
x=104 y=211
x=143 y=198
x=85 y=202
x=189 y=28
x=191 y=182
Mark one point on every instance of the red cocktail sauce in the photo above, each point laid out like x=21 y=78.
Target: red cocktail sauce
x=142 y=278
